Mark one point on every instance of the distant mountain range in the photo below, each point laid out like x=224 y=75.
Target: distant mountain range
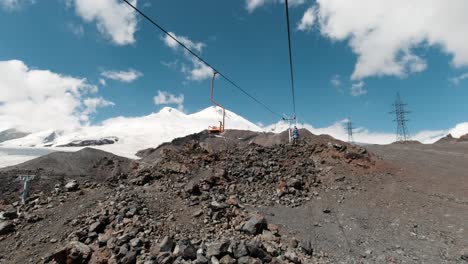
x=450 y=139
x=10 y=134
x=126 y=135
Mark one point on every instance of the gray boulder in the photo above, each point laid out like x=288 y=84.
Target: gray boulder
x=255 y=225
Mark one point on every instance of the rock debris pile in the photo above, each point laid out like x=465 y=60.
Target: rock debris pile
x=190 y=205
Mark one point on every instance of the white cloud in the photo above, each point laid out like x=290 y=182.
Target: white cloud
x=122 y=76
x=103 y=82
x=77 y=30
x=459 y=130
x=358 y=89
x=10 y=5
x=251 y=5
x=33 y=99
x=170 y=42
x=114 y=18
x=458 y=79
x=198 y=70
x=384 y=34
x=336 y=80
x=91 y=105
x=308 y=20
x=166 y=98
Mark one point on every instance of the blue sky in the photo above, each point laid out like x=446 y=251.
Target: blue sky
x=70 y=38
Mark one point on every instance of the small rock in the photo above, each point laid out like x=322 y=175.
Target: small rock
x=291 y=256
x=464 y=254
x=192 y=189
x=214 y=260
x=227 y=260
x=166 y=245
x=97 y=227
x=78 y=252
x=72 y=186
x=6 y=227
x=136 y=242
x=293 y=242
x=129 y=258
x=131 y=212
x=164 y=258
x=187 y=250
x=9 y=214
x=254 y=225
x=201 y=259
x=217 y=249
x=306 y=247
x=239 y=250
x=255 y=249
x=197 y=213
x=218 y=206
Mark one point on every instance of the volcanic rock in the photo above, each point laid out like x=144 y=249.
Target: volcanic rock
x=72 y=186
x=255 y=224
x=6 y=227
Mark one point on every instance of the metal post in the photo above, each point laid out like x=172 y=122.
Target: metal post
x=289 y=119
x=26 y=179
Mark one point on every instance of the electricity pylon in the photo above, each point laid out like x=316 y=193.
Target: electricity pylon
x=349 y=129
x=400 y=118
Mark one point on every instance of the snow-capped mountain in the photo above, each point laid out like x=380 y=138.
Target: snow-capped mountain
x=136 y=133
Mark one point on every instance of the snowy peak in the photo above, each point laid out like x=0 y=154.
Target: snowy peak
x=10 y=134
x=136 y=133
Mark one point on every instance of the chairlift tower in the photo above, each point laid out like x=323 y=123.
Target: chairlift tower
x=402 y=133
x=290 y=120
x=349 y=129
x=26 y=180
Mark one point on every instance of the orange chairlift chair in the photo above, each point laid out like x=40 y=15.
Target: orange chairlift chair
x=216 y=129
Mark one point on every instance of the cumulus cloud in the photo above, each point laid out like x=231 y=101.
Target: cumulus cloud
x=114 y=19
x=458 y=79
x=122 y=76
x=384 y=34
x=308 y=20
x=10 y=5
x=171 y=43
x=91 y=105
x=358 y=89
x=33 y=99
x=459 y=130
x=251 y=5
x=198 y=70
x=166 y=98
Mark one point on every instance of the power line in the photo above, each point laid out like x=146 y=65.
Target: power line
x=290 y=57
x=200 y=58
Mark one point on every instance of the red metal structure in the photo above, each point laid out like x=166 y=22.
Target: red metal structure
x=216 y=129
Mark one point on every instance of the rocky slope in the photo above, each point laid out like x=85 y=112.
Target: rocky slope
x=191 y=203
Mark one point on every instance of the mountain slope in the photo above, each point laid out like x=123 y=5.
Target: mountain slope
x=10 y=134
x=136 y=133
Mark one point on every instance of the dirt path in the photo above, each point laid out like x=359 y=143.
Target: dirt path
x=418 y=214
